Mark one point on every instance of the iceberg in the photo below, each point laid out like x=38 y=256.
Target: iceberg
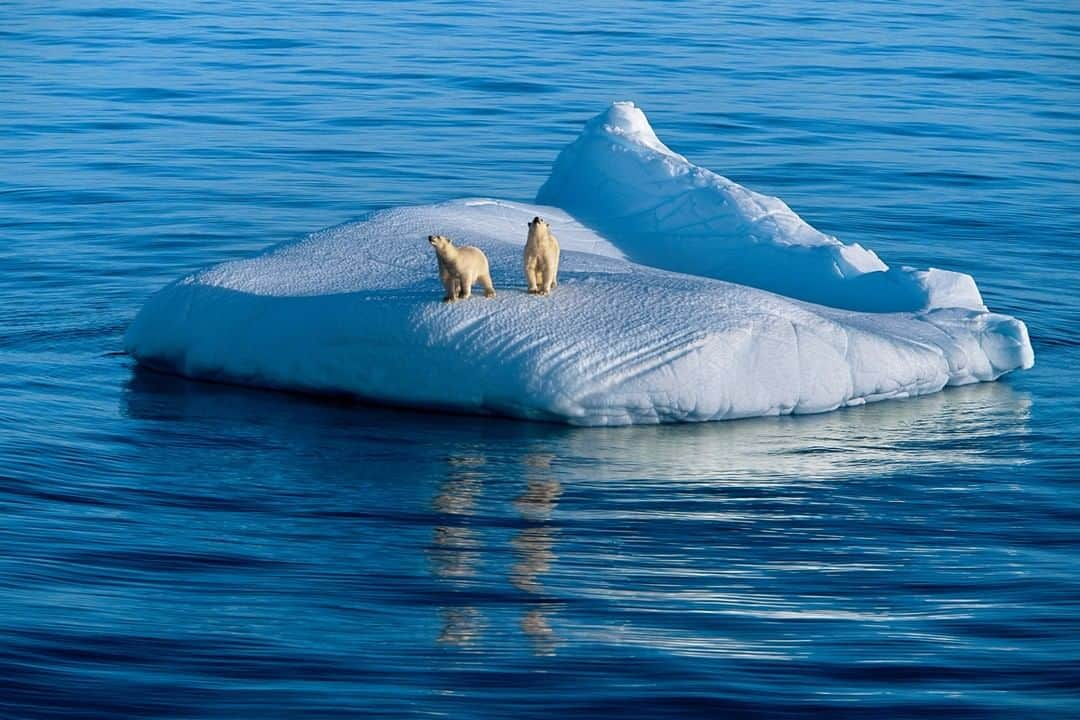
x=672 y=306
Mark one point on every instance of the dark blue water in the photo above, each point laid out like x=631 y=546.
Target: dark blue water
x=176 y=549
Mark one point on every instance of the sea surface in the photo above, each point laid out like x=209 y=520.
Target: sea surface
x=175 y=549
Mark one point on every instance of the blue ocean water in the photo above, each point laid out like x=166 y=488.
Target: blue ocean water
x=178 y=549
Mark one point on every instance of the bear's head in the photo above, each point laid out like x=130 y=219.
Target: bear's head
x=538 y=228
x=439 y=242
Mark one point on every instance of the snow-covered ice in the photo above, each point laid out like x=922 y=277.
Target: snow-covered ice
x=355 y=309
x=618 y=178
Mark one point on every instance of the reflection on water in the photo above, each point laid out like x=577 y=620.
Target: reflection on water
x=534 y=556
x=533 y=546
x=950 y=428
x=456 y=550
x=783 y=547
x=696 y=541
x=460 y=625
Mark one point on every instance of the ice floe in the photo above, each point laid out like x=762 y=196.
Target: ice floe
x=645 y=326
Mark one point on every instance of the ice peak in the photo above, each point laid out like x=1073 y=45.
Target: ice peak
x=625 y=121
x=661 y=210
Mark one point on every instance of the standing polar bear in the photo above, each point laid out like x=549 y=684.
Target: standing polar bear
x=541 y=257
x=460 y=268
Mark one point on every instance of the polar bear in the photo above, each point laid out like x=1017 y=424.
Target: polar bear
x=460 y=268
x=541 y=257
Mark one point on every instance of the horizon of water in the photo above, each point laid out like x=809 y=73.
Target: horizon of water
x=182 y=549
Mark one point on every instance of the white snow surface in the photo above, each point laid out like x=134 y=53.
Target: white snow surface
x=356 y=310
x=664 y=211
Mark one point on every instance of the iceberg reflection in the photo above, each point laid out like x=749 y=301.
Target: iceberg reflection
x=947 y=428
x=951 y=427
x=693 y=539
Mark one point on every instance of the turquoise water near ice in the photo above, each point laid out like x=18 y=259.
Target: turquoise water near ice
x=179 y=549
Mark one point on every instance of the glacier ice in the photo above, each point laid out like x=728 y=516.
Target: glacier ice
x=646 y=324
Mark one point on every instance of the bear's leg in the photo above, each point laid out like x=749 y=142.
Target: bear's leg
x=546 y=281
x=531 y=276
x=489 y=289
x=450 y=285
x=467 y=282
x=553 y=270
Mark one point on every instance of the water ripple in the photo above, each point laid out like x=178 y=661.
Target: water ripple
x=180 y=549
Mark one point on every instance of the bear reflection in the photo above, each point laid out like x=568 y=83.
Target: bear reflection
x=533 y=546
x=457 y=547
